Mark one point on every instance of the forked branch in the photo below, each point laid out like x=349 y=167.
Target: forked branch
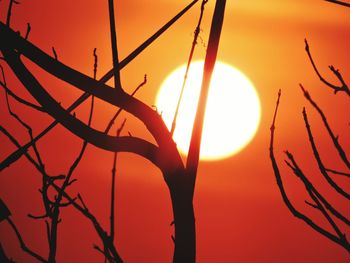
x=341 y=240
x=344 y=87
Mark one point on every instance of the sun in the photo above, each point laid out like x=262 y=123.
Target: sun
x=232 y=114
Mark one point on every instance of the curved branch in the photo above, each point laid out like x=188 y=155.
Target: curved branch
x=23 y=244
x=317 y=156
x=5 y=32
x=334 y=138
x=285 y=197
x=97 y=138
x=344 y=87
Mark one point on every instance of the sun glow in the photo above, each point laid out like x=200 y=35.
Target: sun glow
x=232 y=114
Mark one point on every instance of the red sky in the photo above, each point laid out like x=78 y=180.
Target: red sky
x=240 y=215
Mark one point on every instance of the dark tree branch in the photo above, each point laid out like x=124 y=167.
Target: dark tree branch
x=337 y=172
x=344 y=87
x=334 y=138
x=9 y=12
x=152 y=120
x=298 y=172
x=3 y=256
x=338 y=2
x=54 y=53
x=319 y=161
x=104 y=252
x=28 y=31
x=209 y=63
x=194 y=43
x=311 y=187
x=82 y=209
x=114 y=171
x=116 y=73
x=111 y=122
x=284 y=195
x=95 y=63
x=16 y=155
x=23 y=245
x=17 y=98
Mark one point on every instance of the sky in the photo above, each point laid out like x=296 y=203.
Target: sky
x=240 y=214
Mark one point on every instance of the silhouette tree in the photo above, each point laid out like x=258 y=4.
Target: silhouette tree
x=179 y=177
x=337 y=220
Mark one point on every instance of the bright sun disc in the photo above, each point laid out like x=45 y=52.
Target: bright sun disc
x=232 y=114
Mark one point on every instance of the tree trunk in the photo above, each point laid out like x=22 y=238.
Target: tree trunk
x=184 y=222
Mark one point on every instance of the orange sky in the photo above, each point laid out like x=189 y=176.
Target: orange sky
x=240 y=215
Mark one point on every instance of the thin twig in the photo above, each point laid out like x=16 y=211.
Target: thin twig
x=54 y=53
x=338 y=2
x=28 y=30
x=194 y=43
x=9 y=12
x=23 y=245
x=334 y=138
x=209 y=63
x=284 y=195
x=111 y=122
x=337 y=172
x=336 y=72
x=19 y=99
x=298 y=172
x=114 y=171
x=95 y=62
x=18 y=153
x=319 y=161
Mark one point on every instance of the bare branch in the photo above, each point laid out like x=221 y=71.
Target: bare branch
x=194 y=43
x=285 y=197
x=312 y=205
x=309 y=188
x=336 y=72
x=105 y=253
x=152 y=120
x=337 y=172
x=338 y=2
x=19 y=99
x=319 y=161
x=4 y=257
x=334 y=138
x=9 y=12
x=114 y=171
x=116 y=73
x=23 y=245
x=54 y=53
x=111 y=122
x=17 y=154
x=28 y=30
x=209 y=63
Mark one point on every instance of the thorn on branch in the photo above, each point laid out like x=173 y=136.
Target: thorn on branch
x=4 y=211
x=72 y=182
x=37 y=217
x=9 y=11
x=336 y=72
x=28 y=30
x=82 y=202
x=54 y=53
x=95 y=63
x=312 y=205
